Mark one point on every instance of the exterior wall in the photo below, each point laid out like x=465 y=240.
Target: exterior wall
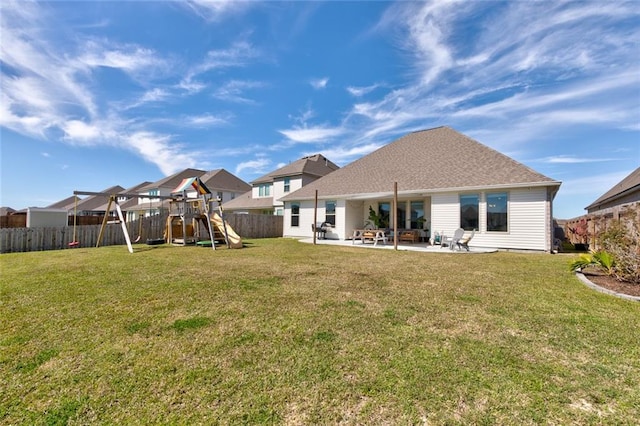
x=356 y=212
x=528 y=220
x=295 y=183
x=306 y=220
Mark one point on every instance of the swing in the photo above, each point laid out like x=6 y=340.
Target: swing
x=139 y=237
x=75 y=243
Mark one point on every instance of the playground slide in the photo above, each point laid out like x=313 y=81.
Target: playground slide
x=234 y=239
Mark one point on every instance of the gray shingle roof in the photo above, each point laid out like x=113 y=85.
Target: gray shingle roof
x=68 y=203
x=626 y=185
x=313 y=165
x=93 y=202
x=429 y=160
x=170 y=182
x=222 y=180
x=245 y=201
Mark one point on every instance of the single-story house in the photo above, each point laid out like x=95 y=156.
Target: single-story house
x=445 y=180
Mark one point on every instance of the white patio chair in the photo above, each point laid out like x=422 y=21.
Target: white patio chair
x=464 y=242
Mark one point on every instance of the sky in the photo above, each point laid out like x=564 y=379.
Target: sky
x=103 y=93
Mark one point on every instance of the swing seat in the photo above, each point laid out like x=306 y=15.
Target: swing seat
x=73 y=244
x=137 y=240
x=155 y=241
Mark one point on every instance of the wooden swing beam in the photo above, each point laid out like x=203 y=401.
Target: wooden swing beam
x=113 y=198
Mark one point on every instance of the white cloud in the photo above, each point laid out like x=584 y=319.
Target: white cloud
x=158 y=149
x=233 y=90
x=257 y=166
x=312 y=134
x=205 y=120
x=319 y=83
x=361 y=91
x=346 y=154
x=79 y=131
x=215 y=10
x=237 y=55
x=129 y=58
x=567 y=159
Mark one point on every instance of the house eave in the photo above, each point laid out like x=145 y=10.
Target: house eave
x=427 y=192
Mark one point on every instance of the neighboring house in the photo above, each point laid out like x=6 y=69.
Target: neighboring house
x=445 y=180
x=264 y=196
x=624 y=192
x=68 y=204
x=94 y=205
x=220 y=182
x=6 y=211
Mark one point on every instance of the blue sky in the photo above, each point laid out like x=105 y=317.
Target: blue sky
x=96 y=94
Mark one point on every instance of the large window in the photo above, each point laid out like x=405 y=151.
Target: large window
x=287 y=184
x=295 y=214
x=497 y=219
x=384 y=212
x=469 y=211
x=264 y=190
x=417 y=214
x=330 y=212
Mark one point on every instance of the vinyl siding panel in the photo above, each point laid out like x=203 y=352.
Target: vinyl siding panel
x=445 y=213
x=527 y=218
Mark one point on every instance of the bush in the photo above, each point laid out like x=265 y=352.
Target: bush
x=600 y=259
x=622 y=240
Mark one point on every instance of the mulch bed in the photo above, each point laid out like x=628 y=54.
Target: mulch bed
x=603 y=280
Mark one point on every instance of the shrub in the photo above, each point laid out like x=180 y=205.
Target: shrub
x=622 y=240
x=600 y=259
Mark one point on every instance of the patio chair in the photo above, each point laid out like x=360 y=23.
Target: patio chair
x=451 y=242
x=464 y=242
x=319 y=230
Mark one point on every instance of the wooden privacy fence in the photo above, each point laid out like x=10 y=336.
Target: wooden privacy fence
x=585 y=229
x=14 y=240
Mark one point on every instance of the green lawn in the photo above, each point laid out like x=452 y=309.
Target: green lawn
x=286 y=332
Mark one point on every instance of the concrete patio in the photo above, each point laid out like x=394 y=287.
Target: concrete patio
x=424 y=247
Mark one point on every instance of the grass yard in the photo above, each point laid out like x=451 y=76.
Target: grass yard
x=286 y=332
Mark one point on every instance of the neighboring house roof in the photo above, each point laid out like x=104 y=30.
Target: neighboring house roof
x=313 y=165
x=245 y=202
x=132 y=202
x=433 y=160
x=626 y=186
x=222 y=180
x=68 y=203
x=170 y=182
x=94 y=202
x=5 y=211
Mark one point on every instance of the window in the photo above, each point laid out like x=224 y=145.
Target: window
x=295 y=214
x=497 y=212
x=384 y=212
x=417 y=214
x=330 y=212
x=264 y=190
x=287 y=184
x=279 y=211
x=401 y=211
x=469 y=211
